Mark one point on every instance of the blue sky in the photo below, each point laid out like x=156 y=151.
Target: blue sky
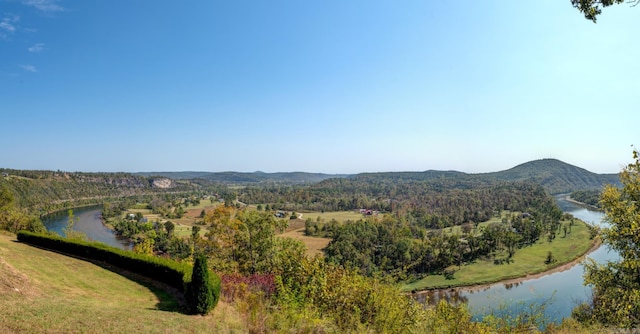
x=319 y=86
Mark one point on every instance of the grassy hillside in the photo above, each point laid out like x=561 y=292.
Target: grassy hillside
x=47 y=292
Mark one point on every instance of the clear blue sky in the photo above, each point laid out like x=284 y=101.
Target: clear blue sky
x=326 y=86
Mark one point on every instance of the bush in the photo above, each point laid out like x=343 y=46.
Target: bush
x=200 y=294
x=449 y=274
x=238 y=286
x=550 y=258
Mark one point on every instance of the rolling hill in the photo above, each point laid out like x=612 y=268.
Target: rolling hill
x=556 y=176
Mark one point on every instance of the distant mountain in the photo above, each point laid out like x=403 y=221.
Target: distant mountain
x=248 y=178
x=556 y=176
x=412 y=176
x=553 y=175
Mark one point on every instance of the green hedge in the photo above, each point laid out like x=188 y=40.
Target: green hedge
x=175 y=274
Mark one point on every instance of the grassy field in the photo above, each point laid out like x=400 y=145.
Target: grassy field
x=526 y=261
x=340 y=216
x=458 y=230
x=45 y=292
x=295 y=230
x=314 y=245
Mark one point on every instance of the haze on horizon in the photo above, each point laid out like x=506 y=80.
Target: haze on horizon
x=328 y=87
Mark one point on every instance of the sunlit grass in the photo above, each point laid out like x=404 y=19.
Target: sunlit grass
x=526 y=261
x=314 y=245
x=43 y=291
x=340 y=216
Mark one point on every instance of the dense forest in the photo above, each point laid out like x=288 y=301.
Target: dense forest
x=436 y=203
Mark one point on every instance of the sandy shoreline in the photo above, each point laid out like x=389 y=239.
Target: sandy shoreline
x=588 y=206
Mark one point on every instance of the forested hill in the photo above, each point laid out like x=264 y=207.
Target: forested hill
x=52 y=190
x=556 y=176
x=241 y=178
x=553 y=175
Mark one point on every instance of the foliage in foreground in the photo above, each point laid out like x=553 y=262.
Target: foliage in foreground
x=12 y=218
x=592 y=8
x=314 y=296
x=175 y=274
x=616 y=287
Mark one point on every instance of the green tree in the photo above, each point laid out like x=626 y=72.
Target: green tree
x=144 y=247
x=68 y=230
x=616 y=287
x=257 y=240
x=201 y=299
x=592 y=8
x=170 y=227
x=7 y=199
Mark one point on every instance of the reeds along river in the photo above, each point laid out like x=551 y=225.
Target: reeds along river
x=88 y=221
x=560 y=292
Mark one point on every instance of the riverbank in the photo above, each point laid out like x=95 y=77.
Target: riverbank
x=560 y=267
x=65 y=211
x=526 y=263
x=582 y=204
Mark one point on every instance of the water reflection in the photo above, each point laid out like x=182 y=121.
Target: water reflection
x=89 y=222
x=508 y=286
x=433 y=297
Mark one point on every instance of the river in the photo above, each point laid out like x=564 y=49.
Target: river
x=559 y=291
x=89 y=222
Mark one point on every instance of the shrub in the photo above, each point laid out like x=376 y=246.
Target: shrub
x=449 y=274
x=550 y=258
x=200 y=290
x=237 y=286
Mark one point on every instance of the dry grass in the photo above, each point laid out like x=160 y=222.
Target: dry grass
x=340 y=216
x=314 y=245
